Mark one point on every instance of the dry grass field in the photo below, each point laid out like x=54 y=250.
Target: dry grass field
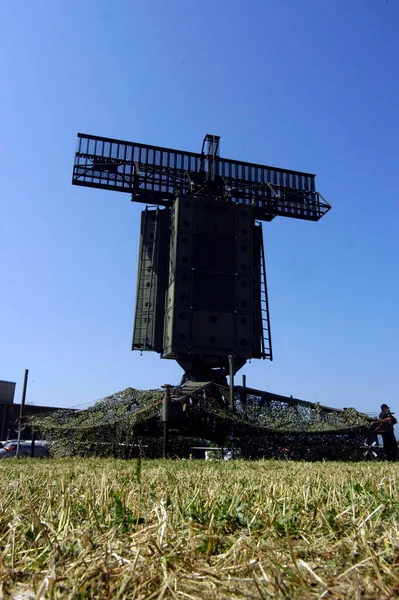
x=197 y=530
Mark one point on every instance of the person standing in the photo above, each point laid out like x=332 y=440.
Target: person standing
x=385 y=429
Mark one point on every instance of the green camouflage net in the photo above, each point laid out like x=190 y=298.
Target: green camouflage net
x=128 y=424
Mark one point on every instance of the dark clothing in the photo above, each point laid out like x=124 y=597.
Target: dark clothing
x=385 y=429
x=390 y=446
x=388 y=421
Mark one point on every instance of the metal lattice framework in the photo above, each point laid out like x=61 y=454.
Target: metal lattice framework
x=153 y=174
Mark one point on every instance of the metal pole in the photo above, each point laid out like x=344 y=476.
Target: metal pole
x=231 y=375
x=32 y=449
x=21 y=410
x=165 y=439
x=243 y=396
x=165 y=418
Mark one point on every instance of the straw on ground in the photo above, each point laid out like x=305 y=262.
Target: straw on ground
x=173 y=529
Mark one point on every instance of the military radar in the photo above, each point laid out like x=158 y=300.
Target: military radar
x=201 y=285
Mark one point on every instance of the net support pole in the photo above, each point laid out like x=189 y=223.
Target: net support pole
x=231 y=375
x=165 y=439
x=243 y=396
x=32 y=449
x=21 y=410
x=166 y=418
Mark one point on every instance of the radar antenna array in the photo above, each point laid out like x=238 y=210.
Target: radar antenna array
x=201 y=294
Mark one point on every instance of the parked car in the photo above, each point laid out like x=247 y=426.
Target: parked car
x=8 y=449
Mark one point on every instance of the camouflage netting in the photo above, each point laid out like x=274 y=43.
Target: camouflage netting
x=128 y=424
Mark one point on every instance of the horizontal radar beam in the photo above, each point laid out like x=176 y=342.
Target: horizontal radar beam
x=156 y=175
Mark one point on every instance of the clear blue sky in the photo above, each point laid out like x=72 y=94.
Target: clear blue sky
x=311 y=85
